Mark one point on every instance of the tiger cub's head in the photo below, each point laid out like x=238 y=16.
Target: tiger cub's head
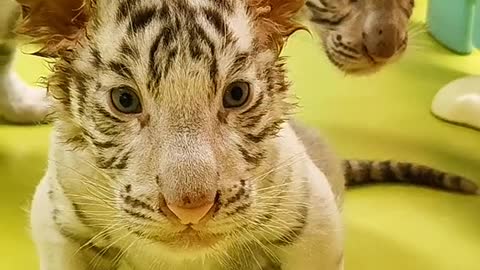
x=179 y=104
x=361 y=36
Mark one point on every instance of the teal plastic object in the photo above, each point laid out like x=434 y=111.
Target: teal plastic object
x=455 y=24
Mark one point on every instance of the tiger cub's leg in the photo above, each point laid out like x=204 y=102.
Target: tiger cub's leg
x=320 y=245
x=19 y=103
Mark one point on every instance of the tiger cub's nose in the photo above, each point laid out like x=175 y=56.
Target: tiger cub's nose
x=193 y=209
x=381 y=41
x=190 y=215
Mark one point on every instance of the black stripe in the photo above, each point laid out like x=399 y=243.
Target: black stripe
x=405 y=169
x=152 y=61
x=455 y=183
x=107 y=129
x=172 y=55
x=106 y=164
x=86 y=133
x=104 y=145
x=197 y=32
x=237 y=197
x=338 y=43
x=387 y=171
x=186 y=10
x=225 y=5
x=81 y=93
x=64 y=84
x=107 y=115
x=78 y=142
x=141 y=19
x=167 y=37
x=164 y=12
x=136 y=203
x=316 y=8
x=257 y=103
x=121 y=69
x=222 y=117
x=267 y=132
x=137 y=215
x=122 y=164
x=124 y=9
x=326 y=4
x=97 y=58
x=216 y=20
x=366 y=170
x=333 y=59
x=130 y=50
x=239 y=209
x=252 y=158
x=344 y=54
x=328 y=21
x=440 y=179
x=240 y=63
x=214 y=73
x=254 y=121
x=195 y=51
x=426 y=175
x=229 y=38
x=80 y=214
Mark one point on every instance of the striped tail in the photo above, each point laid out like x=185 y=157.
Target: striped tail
x=362 y=172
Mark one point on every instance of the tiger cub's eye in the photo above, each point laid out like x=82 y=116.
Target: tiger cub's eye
x=236 y=95
x=125 y=100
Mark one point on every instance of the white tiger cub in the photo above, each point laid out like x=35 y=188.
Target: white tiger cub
x=19 y=103
x=171 y=147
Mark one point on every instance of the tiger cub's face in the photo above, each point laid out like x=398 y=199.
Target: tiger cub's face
x=361 y=36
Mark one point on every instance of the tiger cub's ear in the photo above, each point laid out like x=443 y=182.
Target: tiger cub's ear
x=274 y=21
x=56 y=25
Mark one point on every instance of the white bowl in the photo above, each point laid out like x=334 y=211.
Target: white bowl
x=459 y=102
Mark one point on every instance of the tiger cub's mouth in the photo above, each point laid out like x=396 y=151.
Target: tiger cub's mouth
x=187 y=240
x=194 y=239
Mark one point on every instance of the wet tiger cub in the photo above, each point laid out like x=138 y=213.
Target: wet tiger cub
x=172 y=146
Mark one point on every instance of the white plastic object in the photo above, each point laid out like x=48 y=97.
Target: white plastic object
x=459 y=102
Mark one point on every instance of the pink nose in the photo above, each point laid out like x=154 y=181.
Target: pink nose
x=190 y=215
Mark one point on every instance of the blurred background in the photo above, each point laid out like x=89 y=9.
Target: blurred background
x=382 y=116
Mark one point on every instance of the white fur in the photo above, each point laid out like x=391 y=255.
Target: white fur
x=19 y=102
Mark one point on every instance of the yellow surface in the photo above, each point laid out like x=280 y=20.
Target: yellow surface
x=385 y=116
